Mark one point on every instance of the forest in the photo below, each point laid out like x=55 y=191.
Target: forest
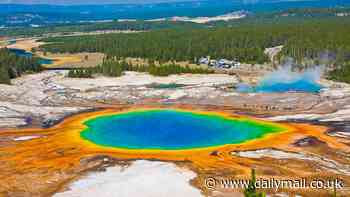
x=312 y=39
x=12 y=66
x=168 y=45
x=308 y=42
x=115 y=68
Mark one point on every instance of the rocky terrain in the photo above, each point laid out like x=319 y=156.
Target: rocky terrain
x=49 y=96
x=44 y=99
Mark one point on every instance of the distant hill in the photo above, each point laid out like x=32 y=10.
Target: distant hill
x=17 y=15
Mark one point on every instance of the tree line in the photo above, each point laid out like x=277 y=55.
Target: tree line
x=309 y=42
x=12 y=66
x=170 y=45
x=324 y=42
x=246 y=43
x=115 y=68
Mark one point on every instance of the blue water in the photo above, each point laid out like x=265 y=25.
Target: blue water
x=171 y=130
x=284 y=79
x=23 y=53
x=300 y=85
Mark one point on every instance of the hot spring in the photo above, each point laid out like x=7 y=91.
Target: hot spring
x=164 y=129
x=285 y=80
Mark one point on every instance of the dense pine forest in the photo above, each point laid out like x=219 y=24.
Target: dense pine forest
x=310 y=41
x=116 y=68
x=167 y=45
x=307 y=40
x=12 y=66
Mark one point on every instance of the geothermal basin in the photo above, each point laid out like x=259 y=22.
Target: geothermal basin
x=209 y=141
x=173 y=130
x=286 y=80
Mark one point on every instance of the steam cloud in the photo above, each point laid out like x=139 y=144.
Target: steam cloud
x=285 y=79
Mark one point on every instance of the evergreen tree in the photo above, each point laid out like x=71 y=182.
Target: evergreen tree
x=12 y=66
x=246 y=43
x=251 y=190
x=4 y=76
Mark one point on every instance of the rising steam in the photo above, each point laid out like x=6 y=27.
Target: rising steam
x=285 y=79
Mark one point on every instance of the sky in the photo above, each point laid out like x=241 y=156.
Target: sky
x=72 y=2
